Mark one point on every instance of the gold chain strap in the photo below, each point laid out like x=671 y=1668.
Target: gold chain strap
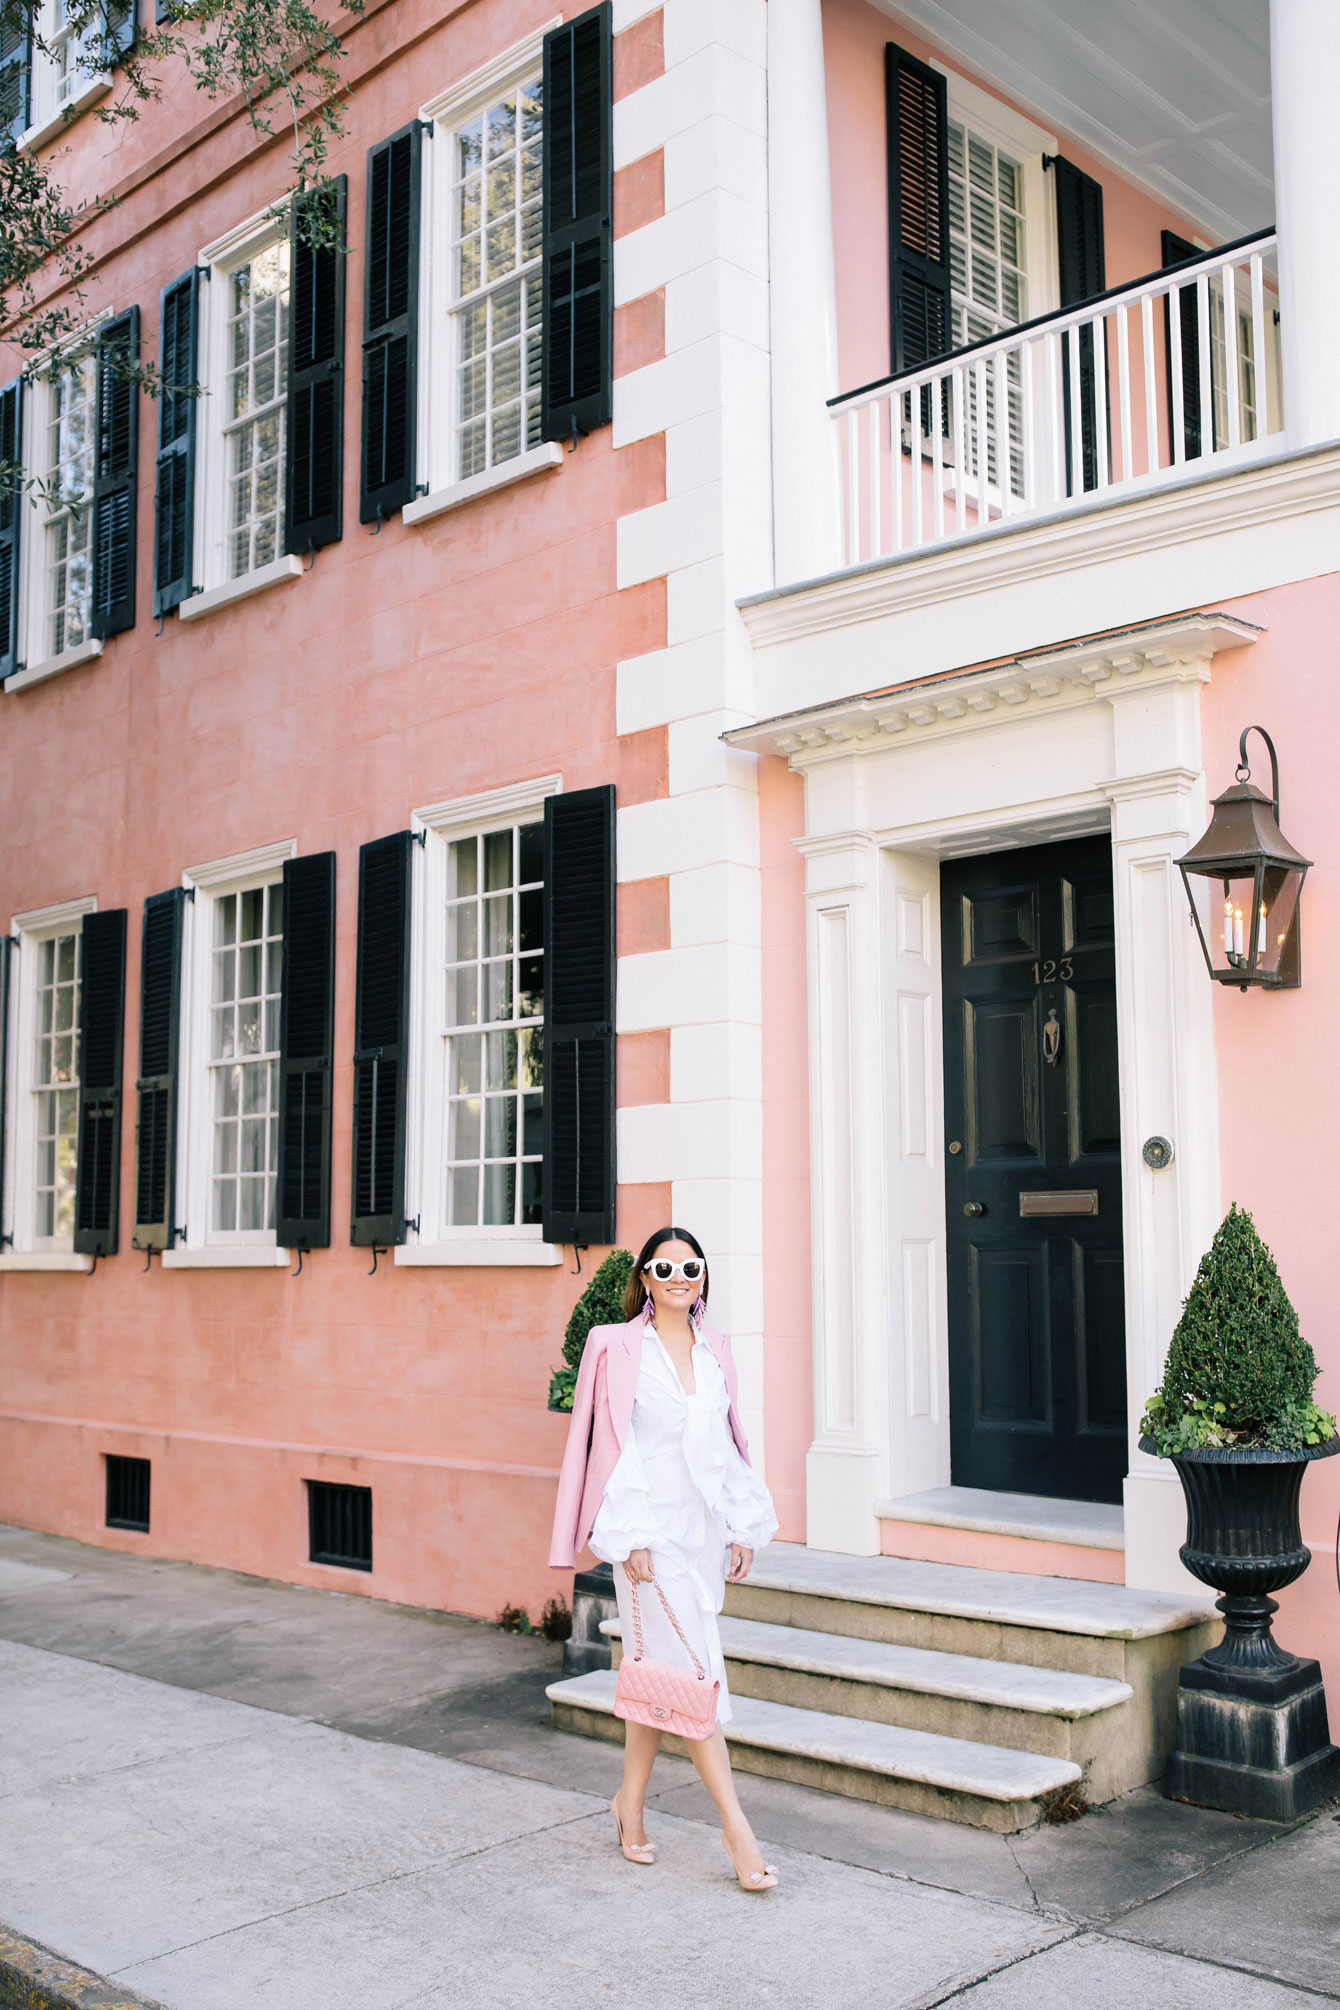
x=698 y=1668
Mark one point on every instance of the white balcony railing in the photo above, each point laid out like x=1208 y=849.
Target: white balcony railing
x=1115 y=396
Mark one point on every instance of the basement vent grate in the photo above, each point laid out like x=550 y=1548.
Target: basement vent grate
x=127 y=1493
x=339 y=1520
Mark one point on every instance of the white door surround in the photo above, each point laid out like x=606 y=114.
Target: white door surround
x=1092 y=736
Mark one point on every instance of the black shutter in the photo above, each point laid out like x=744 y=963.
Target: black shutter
x=102 y=1025
x=120 y=30
x=6 y=960
x=1174 y=250
x=579 y=1017
x=917 y=116
x=576 y=368
x=156 y=1087
x=391 y=325
x=1079 y=237
x=314 y=501
x=115 y=461
x=16 y=76
x=381 y=1035
x=11 y=517
x=306 y=1036
x=174 y=506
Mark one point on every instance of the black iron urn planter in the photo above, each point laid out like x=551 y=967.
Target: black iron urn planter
x=1252 y=1735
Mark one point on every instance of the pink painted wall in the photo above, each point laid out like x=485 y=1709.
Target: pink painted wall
x=475 y=651
x=855 y=34
x=1279 y=1088
x=788 y=1379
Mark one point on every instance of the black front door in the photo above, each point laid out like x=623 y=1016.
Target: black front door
x=1037 y=1354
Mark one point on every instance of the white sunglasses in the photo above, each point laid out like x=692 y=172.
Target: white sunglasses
x=663 y=1270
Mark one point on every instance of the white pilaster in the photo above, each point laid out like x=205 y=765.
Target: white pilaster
x=1304 y=84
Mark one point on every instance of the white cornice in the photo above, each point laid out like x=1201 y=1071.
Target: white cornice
x=265 y=858
x=492 y=806
x=1075 y=673
x=1293 y=484
x=470 y=94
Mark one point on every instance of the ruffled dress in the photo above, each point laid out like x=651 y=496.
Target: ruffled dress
x=681 y=1490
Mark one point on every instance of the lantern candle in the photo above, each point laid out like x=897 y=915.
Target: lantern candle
x=1261 y=932
x=1237 y=932
x=1228 y=928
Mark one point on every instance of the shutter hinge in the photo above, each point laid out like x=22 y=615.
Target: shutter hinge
x=406 y=1224
x=368 y=1053
x=1048 y=160
x=188 y=893
x=420 y=837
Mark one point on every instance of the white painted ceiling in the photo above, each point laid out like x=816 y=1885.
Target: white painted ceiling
x=1177 y=96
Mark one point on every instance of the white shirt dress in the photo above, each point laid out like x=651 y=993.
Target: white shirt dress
x=681 y=1489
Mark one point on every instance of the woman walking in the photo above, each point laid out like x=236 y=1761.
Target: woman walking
x=656 y=1476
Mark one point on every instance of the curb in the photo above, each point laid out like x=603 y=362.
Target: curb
x=32 y=1978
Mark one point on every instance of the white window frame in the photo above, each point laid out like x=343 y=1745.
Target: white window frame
x=220 y=260
x=435 y=1241
x=437 y=358
x=38 y=411
x=48 y=110
x=28 y=1250
x=1026 y=143
x=203 y=1247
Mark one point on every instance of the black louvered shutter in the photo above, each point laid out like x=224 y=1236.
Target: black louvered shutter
x=6 y=963
x=11 y=518
x=576 y=366
x=156 y=1087
x=1079 y=237
x=917 y=116
x=115 y=462
x=381 y=1035
x=391 y=325
x=102 y=1025
x=120 y=30
x=174 y=503
x=579 y=1017
x=315 y=498
x=306 y=1036
x=1175 y=249
x=16 y=76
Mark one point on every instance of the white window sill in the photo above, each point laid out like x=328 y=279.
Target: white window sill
x=52 y=128
x=289 y=566
x=69 y=659
x=540 y=459
x=229 y=1256
x=45 y=1259
x=479 y=1252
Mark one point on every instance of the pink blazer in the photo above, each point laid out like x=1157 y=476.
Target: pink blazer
x=602 y=1408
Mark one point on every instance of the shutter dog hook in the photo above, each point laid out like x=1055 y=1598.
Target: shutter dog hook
x=376 y=528
x=577 y=1252
x=298 y=1271
x=93 y=1266
x=311 y=555
x=375 y=1254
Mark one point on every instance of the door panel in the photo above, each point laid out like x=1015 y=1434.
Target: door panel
x=1036 y=1314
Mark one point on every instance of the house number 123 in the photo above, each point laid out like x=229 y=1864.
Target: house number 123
x=1050 y=971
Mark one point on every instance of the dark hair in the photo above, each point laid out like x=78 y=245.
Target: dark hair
x=635 y=1291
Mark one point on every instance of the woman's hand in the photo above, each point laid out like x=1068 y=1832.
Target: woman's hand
x=637 y=1567
x=741 y=1563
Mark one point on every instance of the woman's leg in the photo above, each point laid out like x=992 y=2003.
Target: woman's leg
x=640 y=1746
x=712 y=1759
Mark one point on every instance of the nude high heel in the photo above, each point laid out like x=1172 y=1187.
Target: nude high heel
x=643 y=1853
x=757 y=1880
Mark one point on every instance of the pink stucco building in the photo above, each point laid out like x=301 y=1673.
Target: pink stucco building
x=552 y=663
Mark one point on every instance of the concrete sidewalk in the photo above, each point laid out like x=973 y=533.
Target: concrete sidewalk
x=232 y=1795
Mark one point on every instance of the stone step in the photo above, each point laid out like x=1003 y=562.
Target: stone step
x=1070 y=1624
x=1031 y=1517
x=1047 y=1711
x=987 y=1786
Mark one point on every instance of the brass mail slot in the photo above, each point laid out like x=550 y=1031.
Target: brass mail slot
x=1077 y=1201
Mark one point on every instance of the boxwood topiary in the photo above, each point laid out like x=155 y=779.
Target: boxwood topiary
x=601 y=1304
x=1238 y=1371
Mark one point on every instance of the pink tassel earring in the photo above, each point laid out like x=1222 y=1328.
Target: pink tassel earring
x=699 y=1311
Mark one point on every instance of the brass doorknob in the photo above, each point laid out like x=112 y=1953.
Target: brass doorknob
x=974 y=1207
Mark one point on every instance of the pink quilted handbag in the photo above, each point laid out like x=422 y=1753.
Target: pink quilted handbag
x=660 y=1696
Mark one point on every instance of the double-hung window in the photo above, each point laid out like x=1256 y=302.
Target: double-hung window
x=42 y=1100
x=989 y=283
x=65 y=501
x=496 y=226
x=256 y=363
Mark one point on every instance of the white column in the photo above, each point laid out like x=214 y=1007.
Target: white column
x=1304 y=87
x=806 y=482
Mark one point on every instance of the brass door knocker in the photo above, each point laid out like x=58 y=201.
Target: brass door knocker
x=1051 y=1039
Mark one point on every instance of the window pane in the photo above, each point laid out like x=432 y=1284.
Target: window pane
x=463 y=867
x=497 y=860
x=499 y=1127
x=463 y=1142
x=463 y=1197
x=500 y=1060
x=499 y=1194
x=247 y=967
x=498 y=925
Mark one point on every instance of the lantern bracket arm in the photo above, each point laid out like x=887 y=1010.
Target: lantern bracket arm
x=1244 y=772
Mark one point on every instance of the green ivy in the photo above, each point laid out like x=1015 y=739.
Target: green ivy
x=1238 y=1371
x=601 y=1304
